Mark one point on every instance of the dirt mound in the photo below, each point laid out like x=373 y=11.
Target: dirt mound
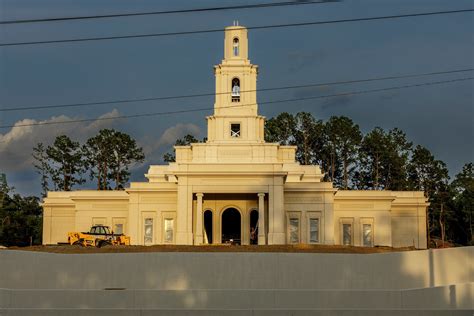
x=213 y=248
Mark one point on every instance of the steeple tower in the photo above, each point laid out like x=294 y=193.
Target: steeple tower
x=235 y=116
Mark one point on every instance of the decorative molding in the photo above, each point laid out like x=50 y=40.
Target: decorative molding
x=304 y=199
x=357 y=206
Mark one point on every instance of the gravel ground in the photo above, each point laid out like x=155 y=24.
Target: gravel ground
x=211 y=248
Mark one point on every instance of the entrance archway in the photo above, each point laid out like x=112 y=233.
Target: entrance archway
x=208 y=227
x=254 y=227
x=231 y=224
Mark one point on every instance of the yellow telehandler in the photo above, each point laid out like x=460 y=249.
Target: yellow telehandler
x=98 y=236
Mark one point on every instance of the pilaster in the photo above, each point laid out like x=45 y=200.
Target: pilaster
x=276 y=235
x=261 y=219
x=198 y=236
x=184 y=234
x=329 y=219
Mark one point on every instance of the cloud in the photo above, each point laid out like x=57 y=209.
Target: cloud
x=301 y=59
x=338 y=101
x=170 y=136
x=324 y=103
x=155 y=150
x=16 y=145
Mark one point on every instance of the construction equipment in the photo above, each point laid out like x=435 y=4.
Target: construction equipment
x=98 y=236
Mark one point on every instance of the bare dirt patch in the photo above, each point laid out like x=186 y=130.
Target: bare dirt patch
x=66 y=249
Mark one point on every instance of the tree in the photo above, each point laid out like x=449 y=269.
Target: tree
x=307 y=132
x=383 y=159
x=370 y=159
x=301 y=130
x=124 y=153
x=109 y=155
x=427 y=174
x=42 y=167
x=463 y=199
x=396 y=156
x=64 y=165
x=281 y=129
x=97 y=152
x=185 y=141
x=344 y=139
x=20 y=218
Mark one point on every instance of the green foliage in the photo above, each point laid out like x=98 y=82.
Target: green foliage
x=20 y=218
x=65 y=163
x=383 y=159
x=60 y=164
x=185 y=141
x=332 y=145
x=281 y=129
x=307 y=133
x=380 y=160
x=108 y=156
x=343 y=141
x=42 y=166
x=462 y=189
x=427 y=174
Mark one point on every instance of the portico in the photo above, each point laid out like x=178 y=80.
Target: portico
x=244 y=204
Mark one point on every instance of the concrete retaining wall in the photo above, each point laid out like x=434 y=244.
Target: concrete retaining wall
x=180 y=271
x=447 y=297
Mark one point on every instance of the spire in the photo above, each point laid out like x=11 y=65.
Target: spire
x=235 y=116
x=236 y=43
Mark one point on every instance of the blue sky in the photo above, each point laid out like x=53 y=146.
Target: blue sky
x=438 y=117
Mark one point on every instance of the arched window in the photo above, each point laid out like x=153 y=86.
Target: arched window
x=235 y=46
x=235 y=90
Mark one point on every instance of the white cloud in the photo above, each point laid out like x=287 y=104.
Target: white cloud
x=154 y=150
x=16 y=145
x=170 y=135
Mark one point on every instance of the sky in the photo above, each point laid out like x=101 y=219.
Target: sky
x=439 y=117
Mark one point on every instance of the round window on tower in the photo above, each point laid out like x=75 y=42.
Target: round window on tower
x=235 y=46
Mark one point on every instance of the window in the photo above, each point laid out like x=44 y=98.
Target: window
x=235 y=47
x=169 y=227
x=235 y=90
x=148 y=236
x=118 y=228
x=367 y=235
x=347 y=234
x=235 y=130
x=294 y=230
x=118 y=225
x=314 y=230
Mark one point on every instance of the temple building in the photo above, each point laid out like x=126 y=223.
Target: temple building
x=238 y=188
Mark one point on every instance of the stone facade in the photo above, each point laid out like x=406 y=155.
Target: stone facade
x=238 y=188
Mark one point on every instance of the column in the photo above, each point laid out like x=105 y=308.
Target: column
x=198 y=237
x=261 y=219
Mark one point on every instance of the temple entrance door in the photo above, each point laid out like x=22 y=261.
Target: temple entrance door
x=231 y=226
